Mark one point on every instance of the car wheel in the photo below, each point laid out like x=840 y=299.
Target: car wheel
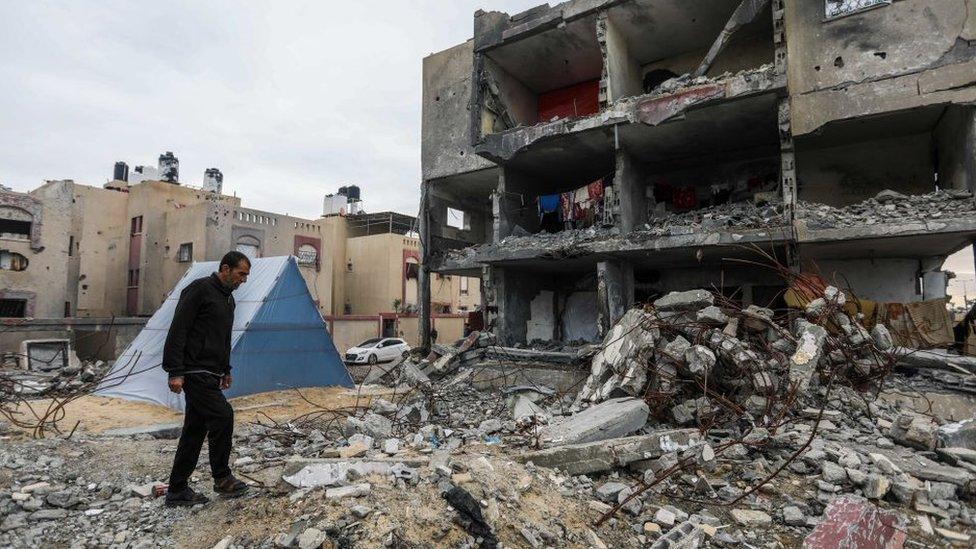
x=405 y=354
x=372 y=360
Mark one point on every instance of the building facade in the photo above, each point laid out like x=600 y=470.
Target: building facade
x=599 y=153
x=71 y=250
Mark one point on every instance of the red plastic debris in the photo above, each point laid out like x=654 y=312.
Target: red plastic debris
x=851 y=522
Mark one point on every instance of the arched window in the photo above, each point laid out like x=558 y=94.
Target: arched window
x=249 y=246
x=15 y=223
x=307 y=254
x=12 y=261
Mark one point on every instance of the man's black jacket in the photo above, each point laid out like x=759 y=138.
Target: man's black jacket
x=199 y=336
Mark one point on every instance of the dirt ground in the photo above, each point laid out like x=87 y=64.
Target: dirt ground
x=515 y=497
x=96 y=414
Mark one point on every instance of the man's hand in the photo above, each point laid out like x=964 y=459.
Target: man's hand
x=176 y=384
x=225 y=382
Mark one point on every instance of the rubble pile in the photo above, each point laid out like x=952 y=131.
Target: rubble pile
x=686 y=348
x=889 y=207
x=700 y=424
x=767 y=71
x=524 y=239
x=741 y=215
x=55 y=380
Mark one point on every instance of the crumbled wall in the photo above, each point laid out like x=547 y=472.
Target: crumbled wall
x=850 y=173
x=901 y=56
x=885 y=280
x=446 y=121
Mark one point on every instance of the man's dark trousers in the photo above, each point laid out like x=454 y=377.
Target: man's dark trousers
x=208 y=415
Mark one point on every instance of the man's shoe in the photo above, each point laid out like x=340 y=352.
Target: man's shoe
x=230 y=487
x=186 y=498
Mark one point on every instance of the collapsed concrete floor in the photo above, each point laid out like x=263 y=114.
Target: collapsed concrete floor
x=761 y=222
x=693 y=424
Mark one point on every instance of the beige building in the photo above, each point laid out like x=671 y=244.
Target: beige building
x=68 y=250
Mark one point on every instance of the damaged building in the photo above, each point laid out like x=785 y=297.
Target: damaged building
x=78 y=258
x=590 y=155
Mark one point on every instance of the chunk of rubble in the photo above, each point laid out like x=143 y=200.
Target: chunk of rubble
x=750 y=517
x=685 y=301
x=713 y=316
x=915 y=432
x=523 y=409
x=351 y=491
x=958 y=435
x=620 y=367
x=606 y=455
x=611 y=419
x=810 y=343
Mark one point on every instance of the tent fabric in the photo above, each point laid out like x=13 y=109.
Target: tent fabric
x=279 y=339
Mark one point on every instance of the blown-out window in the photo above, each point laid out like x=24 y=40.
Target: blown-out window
x=307 y=254
x=12 y=261
x=840 y=8
x=186 y=253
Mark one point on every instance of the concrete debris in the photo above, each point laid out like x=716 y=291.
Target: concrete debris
x=460 y=459
x=53 y=380
x=164 y=431
x=889 y=207
x=749 y=517
x=691 y=300
x=606 y=455
x=611 y=419
x=915 y=431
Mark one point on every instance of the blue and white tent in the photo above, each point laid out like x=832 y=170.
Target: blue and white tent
x=279 y=341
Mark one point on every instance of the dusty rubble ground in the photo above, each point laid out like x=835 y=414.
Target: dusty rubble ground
x=700 y=424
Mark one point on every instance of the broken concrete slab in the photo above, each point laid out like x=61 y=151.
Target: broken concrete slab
x=810 y=342
x=161 y=431
x=750 y=517
x=334 y=474
x=593 y=457
x=915 y=432
x=691 y=300
x=610 y=419
x=620 y=365
x=958 y=435
x=351 y=491
x=955 y=455
x=523 y=408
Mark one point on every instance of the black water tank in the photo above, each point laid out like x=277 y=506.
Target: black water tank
x=352 y=192
x=121 y=172
x=343 y=191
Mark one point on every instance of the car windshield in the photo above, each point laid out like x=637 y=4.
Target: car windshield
x=369 y=343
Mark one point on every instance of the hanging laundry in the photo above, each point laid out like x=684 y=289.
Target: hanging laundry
x=685 y=199
x=566 y=206
x=581 y=195
x=548 y=204
x=595 y=189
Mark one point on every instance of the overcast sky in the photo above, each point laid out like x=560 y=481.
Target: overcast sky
x=289 y=99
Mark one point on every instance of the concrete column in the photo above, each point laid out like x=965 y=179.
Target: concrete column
x=615 y=292
x=632 y=188
x=513 y=204
x=513 y=293
x=935 y=281
x=423 y=279
x=747 y=295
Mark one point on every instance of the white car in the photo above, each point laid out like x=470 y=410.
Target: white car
x=380 y=349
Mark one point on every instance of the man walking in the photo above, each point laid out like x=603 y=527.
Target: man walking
x=197 y=359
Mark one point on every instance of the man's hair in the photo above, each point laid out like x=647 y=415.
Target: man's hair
x=233 y=260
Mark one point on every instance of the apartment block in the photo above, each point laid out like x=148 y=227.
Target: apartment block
x=585 y=156
x=72 y=250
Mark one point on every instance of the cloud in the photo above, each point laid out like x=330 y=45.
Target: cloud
x=289 y=99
